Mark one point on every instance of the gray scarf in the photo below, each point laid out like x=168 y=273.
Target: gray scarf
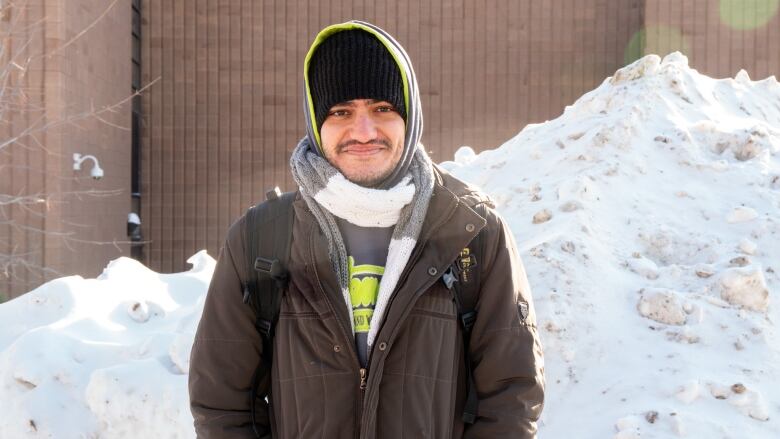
x=316 y=176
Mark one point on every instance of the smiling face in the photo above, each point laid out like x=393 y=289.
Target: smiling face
x=363 y=139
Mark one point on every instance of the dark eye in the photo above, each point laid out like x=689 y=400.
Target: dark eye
x=338 y=113
x=385 y=108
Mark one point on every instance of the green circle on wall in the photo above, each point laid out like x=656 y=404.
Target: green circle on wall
x=747 y=14
x=658 y=39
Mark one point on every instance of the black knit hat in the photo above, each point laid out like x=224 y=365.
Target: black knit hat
x=353 y=64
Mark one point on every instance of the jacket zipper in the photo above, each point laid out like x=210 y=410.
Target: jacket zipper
x=362 y=386
x=352 y=349
x=363 y=371
x=415 y=256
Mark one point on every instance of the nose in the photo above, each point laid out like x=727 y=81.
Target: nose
x=364 y=128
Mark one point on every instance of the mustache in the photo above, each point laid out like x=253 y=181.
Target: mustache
x=377 y=141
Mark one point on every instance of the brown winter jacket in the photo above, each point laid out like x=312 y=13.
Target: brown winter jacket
x=416 y=386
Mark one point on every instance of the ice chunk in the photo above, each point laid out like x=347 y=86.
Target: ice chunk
x=465 y=155
x=747 y=246
x=628 y=434
x=689 y=392
x=628 y=428
x=741 y=215
x=139 y=311
x=542 y=216
x=663 y=306
x=627 y=423
x=644 y=66
x=644 y=267
x=745 y=287
x=751 y=403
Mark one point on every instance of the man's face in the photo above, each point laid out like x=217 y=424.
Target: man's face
x=363 y=139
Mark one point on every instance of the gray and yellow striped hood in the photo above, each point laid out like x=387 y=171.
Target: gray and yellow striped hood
x=414 y=119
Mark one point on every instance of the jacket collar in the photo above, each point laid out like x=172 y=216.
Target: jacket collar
x=449 y=226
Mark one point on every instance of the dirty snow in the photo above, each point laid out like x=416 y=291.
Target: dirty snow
x=658 y=294
x=647 y=217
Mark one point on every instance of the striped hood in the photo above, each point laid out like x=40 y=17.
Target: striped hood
x=414 y=119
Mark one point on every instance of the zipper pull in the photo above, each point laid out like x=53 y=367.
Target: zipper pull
x=363 y=380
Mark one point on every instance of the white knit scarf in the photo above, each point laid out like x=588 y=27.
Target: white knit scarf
x=328 y=193
x=362 y=206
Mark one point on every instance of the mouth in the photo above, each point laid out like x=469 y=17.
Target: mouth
x=364 y=149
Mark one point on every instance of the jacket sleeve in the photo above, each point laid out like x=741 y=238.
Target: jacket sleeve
x=505 y=350
x=225 y=354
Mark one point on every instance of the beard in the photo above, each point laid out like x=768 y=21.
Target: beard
x=365 y=174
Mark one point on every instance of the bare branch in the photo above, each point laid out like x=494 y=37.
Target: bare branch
x=84 y=31
x=6 y=200
x=116 y=243
x=32 y=129
x=26 y=115
x=38 y=198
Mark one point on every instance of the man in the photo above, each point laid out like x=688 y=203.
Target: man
x=368 y=342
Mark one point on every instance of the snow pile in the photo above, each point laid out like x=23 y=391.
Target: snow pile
x=104 y=357
x=648 y=217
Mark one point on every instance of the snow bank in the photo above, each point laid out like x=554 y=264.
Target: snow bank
x=105 y=357
x=648 y=217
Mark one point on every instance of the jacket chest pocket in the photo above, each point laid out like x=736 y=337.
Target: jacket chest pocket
x=428 y=341
x=305 y=344
x=436 y=302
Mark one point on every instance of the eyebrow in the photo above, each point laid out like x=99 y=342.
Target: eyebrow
x=351 y=104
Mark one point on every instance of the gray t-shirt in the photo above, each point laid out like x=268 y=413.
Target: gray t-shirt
x=366 y=257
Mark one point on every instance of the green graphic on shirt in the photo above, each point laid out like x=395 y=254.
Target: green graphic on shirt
x=356 y=270
x=362 y=319
x=363 y=290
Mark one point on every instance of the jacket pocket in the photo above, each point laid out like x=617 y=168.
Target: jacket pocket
x=420 y=375
x=436 y=302
x=306 y=337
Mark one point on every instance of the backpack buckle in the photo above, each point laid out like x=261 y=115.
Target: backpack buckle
x=273 y=194
x=271 y=267
x=247 y=293
x=449 y=278
x=467 y=320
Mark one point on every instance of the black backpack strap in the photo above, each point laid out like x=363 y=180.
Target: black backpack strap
x=463 y=281
x=267 y=240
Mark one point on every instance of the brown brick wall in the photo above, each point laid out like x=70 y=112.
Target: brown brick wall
x=719 y=37
x=222 y=118
x=72 y=231
x=220 y=124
